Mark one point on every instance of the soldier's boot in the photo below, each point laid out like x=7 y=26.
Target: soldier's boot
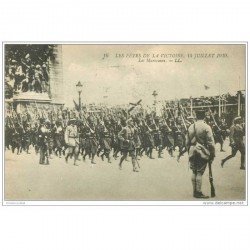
x=159 y=153
x=121 y=160
x=178 y=158
x=98 y=152
x=198 y=193
x=242 y=166
x=115 y=156
x=120 y=165
x=226 y=159
x=222 y=162
x=47 y=160
x=109 y=160
x=66 y=158
x=102 y=156
x=221 y=147
x=75 y=159
x=150 y=155
x=84 y=157
x=77 y=156
x=170 y=151
x=92 y=159
x=135 y=169
x=194 y=184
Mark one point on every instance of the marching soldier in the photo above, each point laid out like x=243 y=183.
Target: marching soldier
x=218 y=137
x=126 y=137
x=105 y=141
x=17 y=137
x=201 y=150
x=158 y=139
x=91 y=143
x=236 y=142
x=59 y=138
x=26 y=138
x=115 y=140
x=71 y=138
x=43 y=143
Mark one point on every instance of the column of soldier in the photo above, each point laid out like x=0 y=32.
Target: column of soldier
x=117 y=133
x=99 y=134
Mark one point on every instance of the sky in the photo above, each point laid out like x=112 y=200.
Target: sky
x=122 y=76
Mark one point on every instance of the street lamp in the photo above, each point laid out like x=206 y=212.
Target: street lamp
x=79 y=90
x=155 y=94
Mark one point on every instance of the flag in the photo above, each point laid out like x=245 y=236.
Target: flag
x=206 y=87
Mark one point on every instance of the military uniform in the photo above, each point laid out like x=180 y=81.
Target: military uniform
x=236 y=138
x=201 y=134
x=90 y=143
x=58 y=138
x=126 y=137
x=71 y=138
x=43 y=144
x=105 y=142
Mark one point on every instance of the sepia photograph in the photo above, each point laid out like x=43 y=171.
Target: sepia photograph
x=134 y=122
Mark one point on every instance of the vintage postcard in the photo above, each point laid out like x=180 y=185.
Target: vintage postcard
x=123 y=123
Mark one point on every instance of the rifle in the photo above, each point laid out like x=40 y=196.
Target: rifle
x=210 y=111
x=170 y=111
x=19 y=122
x=184 y=123
x=86 y=122
x=13 y=125
x=211 y=179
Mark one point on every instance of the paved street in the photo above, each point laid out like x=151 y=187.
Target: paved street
x=158 y=179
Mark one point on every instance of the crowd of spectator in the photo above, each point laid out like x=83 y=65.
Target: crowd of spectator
x=26 y=68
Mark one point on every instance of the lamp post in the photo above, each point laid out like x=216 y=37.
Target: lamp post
x=79 y=90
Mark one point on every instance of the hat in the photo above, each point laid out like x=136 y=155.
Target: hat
x=42 y=120
x=237 y=119
x=200 y=114
x=129 y=120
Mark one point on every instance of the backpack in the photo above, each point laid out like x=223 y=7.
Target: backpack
x=198 y=149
